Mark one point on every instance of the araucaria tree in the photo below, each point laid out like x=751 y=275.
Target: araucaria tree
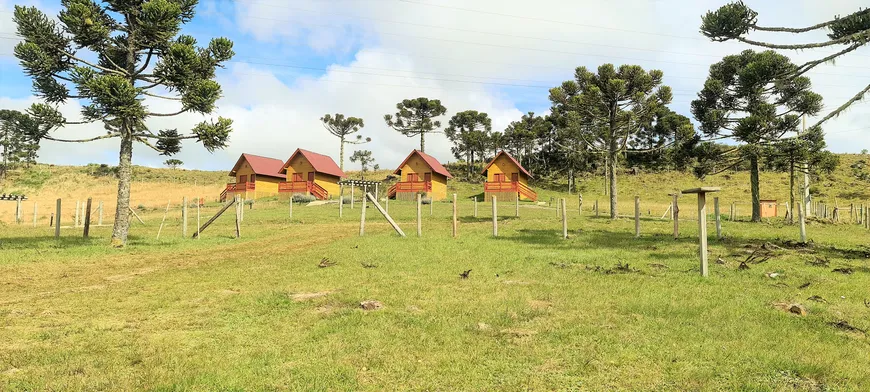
x=343 y=127
x=364 y=157
x=116 y=54
x=609 y=109
x=17 y=143
x=173 y=163
x=735 y=21
x=415 y=118
x=469 y=132
x=743 y=99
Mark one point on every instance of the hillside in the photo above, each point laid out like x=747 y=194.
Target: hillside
x=153 y=187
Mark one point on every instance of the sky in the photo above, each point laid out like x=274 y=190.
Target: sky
x=297 y=60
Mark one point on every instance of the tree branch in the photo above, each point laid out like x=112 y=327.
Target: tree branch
x=160 y=96
x=800 y=46
x=93 y=65
x=106 y=136
x=793 y=30
x=844 y=106
x=147 y=61
x=168 y=114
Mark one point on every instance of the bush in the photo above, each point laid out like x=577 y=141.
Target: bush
x=426 y=200
x=141 y=207
x=345 y=200
x=300 y=198
x=102 y=170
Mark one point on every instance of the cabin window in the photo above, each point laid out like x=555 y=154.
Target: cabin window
x=413 y=177
x=427 y=177
x=498 y=177
x=297 y=177
x=310 y=176
x=253 y=178
x=243 y=178
x=515 y=177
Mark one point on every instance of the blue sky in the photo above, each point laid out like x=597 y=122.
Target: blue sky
x=297 y=60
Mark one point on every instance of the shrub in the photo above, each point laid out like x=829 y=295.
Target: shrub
x=345 y=200
x=300 y=198
x=426 y=200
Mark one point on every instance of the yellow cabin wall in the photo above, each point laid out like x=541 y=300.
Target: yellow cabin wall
x=265 y=186
x=416 y=165
x=328 y=182
x=504 y=165
x=299 y=165
x=244 y=170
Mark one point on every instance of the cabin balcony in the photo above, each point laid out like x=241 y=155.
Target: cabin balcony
x=401 y=190
x=236 y=187
x=514 y=189
x=303 y=187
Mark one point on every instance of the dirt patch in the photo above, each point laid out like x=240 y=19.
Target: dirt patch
x=540 y=305
x=518 y=332
x=229 y=292
x=302 y=297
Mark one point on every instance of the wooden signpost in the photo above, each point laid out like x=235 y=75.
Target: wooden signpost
x=702 y=223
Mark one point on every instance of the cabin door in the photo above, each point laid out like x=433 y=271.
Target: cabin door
x=297 y=177
x=243 y=178
x=515 y=177
x=427 y=177
x=310 y=176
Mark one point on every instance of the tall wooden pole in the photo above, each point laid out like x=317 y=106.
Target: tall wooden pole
x=419 y=215
x=362 y=218
x=564 y=220
x=184 y=217
x=57 y=220
x=87 y=219
x=455 y=220
x=637 y=216
x=676 y=217
x=164 y=219
x=702 y=230
x=718 y=219
x=34 y=213
x=494 y=216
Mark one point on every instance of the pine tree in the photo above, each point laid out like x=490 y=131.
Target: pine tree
x=364 y=157
x=139 y=54
x=342 y=127
x=469 y=132
x=744 y=100
x=17 y=140
x=415 y=118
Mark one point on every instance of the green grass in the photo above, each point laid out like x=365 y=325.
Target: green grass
x=537 y=312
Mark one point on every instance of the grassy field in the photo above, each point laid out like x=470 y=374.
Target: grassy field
x=602 y=310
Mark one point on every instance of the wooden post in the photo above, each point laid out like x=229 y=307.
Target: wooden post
x=184 y=217
x=100 y=217
x=164 y=219
x=136 y=215
x=18 y=210
x=637 y=216
x=455 y=221
x=87 y=219
x=385 y=214
x=596 y=208
x=580 y=204
x=718 y=219
x=242 y=210
x=51 y=220
x=239 y=210
x=198 y=216
x=78 y=208
x=419 y=215
x=564 y=221
x=557 y=208
x=362 y=218
x=494 y=216
x=57 y=220
x=802 y=217
x=377 y=194
x=702 y=224
x=200 y=229
x=351 y=196
x=731 y=215
x=431 y=205
x=676 y=204
x=34 y=214
x=517 y=212
x=475 y=206
x=340 y=201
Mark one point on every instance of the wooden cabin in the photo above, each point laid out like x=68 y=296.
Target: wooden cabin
x=769 y=209
x=254 y=176
x=420 y=173
x=506 y=179
x=310 y=173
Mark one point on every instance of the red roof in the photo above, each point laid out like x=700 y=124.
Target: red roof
x=321 y=163
x=262 y=166
x=433 y=163
x=512 y=160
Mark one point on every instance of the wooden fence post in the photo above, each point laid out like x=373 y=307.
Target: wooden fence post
x=596 y=208
x=78 y=208
x=718 y=219
x=100 y=217
x=291 y=207
x=351 y=196
x=580 y=204
x=475 y=206
x=51 y=220
x=18 y=210
x=517 y=212
x=637 y=216
x=164 y=219
x=702 y=230
x=242 y=210
x=431 y=206
x=57 y=221
x=676 y=217
x=362 y=218
x=383 y=212
x=87 y=219
x=419 y=215
x=802 y=217
x=184 y=217
x=34 y=213
x=239 y=210
x=564 y=221
x=198 y=216
x=494 y=216
x=455 y=221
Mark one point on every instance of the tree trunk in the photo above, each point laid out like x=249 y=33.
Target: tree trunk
x=791 y=191
x=422 y=141
x=125 y=175
x=756 y=192
x=341 y=155
x=612 y=179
